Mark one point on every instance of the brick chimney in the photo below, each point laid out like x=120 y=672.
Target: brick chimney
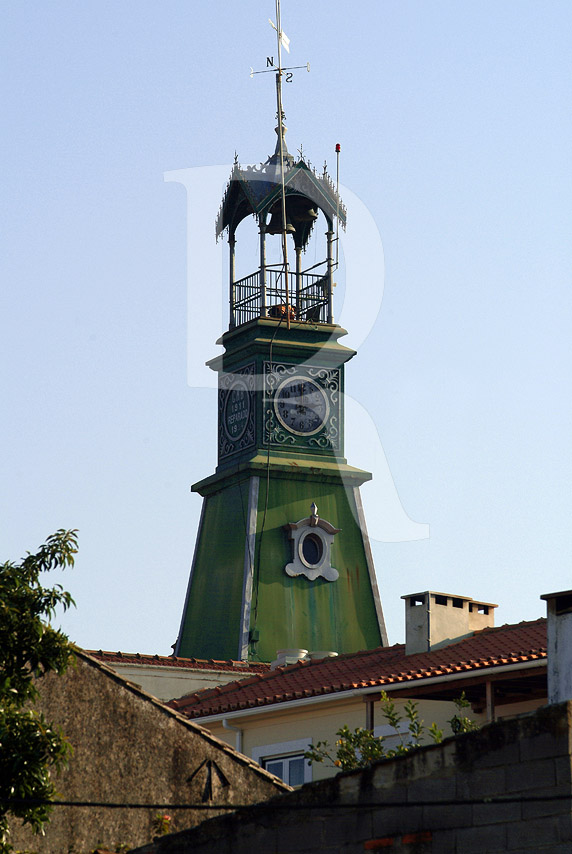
x=433 y=620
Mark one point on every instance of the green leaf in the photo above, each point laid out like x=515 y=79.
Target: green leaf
x=31 y=747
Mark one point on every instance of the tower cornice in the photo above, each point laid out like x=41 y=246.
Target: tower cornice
x=334 y=471
x=302 y=342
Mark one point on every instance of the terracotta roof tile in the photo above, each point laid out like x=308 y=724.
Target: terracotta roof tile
x=137 y=658
x=492 y=647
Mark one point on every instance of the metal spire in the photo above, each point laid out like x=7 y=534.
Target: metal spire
x=281 y=130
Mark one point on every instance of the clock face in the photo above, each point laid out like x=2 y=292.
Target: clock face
x=301 y=406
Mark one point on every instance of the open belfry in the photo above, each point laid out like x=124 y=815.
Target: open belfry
x=282 y=559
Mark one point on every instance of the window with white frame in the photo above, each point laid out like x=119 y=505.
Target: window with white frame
x=286 y=760
x=391 y=738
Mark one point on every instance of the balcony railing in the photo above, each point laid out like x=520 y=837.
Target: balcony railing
x=264 y=295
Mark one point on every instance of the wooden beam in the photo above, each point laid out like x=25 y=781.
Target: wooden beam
x=490 y=694
x=370 y=700
x=424 y=687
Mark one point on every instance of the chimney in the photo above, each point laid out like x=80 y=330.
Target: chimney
x=433 y=620
x=559 y=631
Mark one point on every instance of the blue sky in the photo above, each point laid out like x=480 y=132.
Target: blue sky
x=455 y=126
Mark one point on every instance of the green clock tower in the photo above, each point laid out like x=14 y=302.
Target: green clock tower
x=282 y=558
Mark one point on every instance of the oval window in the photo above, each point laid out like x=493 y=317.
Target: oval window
x=312 y=549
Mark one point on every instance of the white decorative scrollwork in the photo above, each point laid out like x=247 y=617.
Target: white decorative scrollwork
x=277 y=432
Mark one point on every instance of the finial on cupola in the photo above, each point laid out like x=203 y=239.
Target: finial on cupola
x=314 y=515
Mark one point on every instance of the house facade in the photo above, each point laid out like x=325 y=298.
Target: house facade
x=274 y=717
x=168 y=676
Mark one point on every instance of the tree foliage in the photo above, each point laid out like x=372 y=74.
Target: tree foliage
x=358 y=748
x=30 y=747
x=460 y=723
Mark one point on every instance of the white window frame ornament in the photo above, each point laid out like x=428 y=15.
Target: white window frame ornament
x=312 y=526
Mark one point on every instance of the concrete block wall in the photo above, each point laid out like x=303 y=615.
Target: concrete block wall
x=506 y=788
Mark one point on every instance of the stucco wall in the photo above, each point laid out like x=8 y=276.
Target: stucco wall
x=168 y=683
x=129 y=748
x=474 y=793
x=320 y=722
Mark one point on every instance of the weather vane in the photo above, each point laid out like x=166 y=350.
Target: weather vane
x=283 y=42
x=287 y=72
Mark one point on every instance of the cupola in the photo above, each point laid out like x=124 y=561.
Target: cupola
x=301 y=294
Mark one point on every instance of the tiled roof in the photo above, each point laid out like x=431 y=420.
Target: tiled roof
x=488 y=648
x=136 y=658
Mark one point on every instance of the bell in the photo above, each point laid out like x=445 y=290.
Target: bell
x=275 y=224
x=308 y=215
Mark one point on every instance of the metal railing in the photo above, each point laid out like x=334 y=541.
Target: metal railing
x=257 y=295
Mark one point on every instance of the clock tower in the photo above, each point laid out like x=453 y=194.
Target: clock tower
x=282 y=557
